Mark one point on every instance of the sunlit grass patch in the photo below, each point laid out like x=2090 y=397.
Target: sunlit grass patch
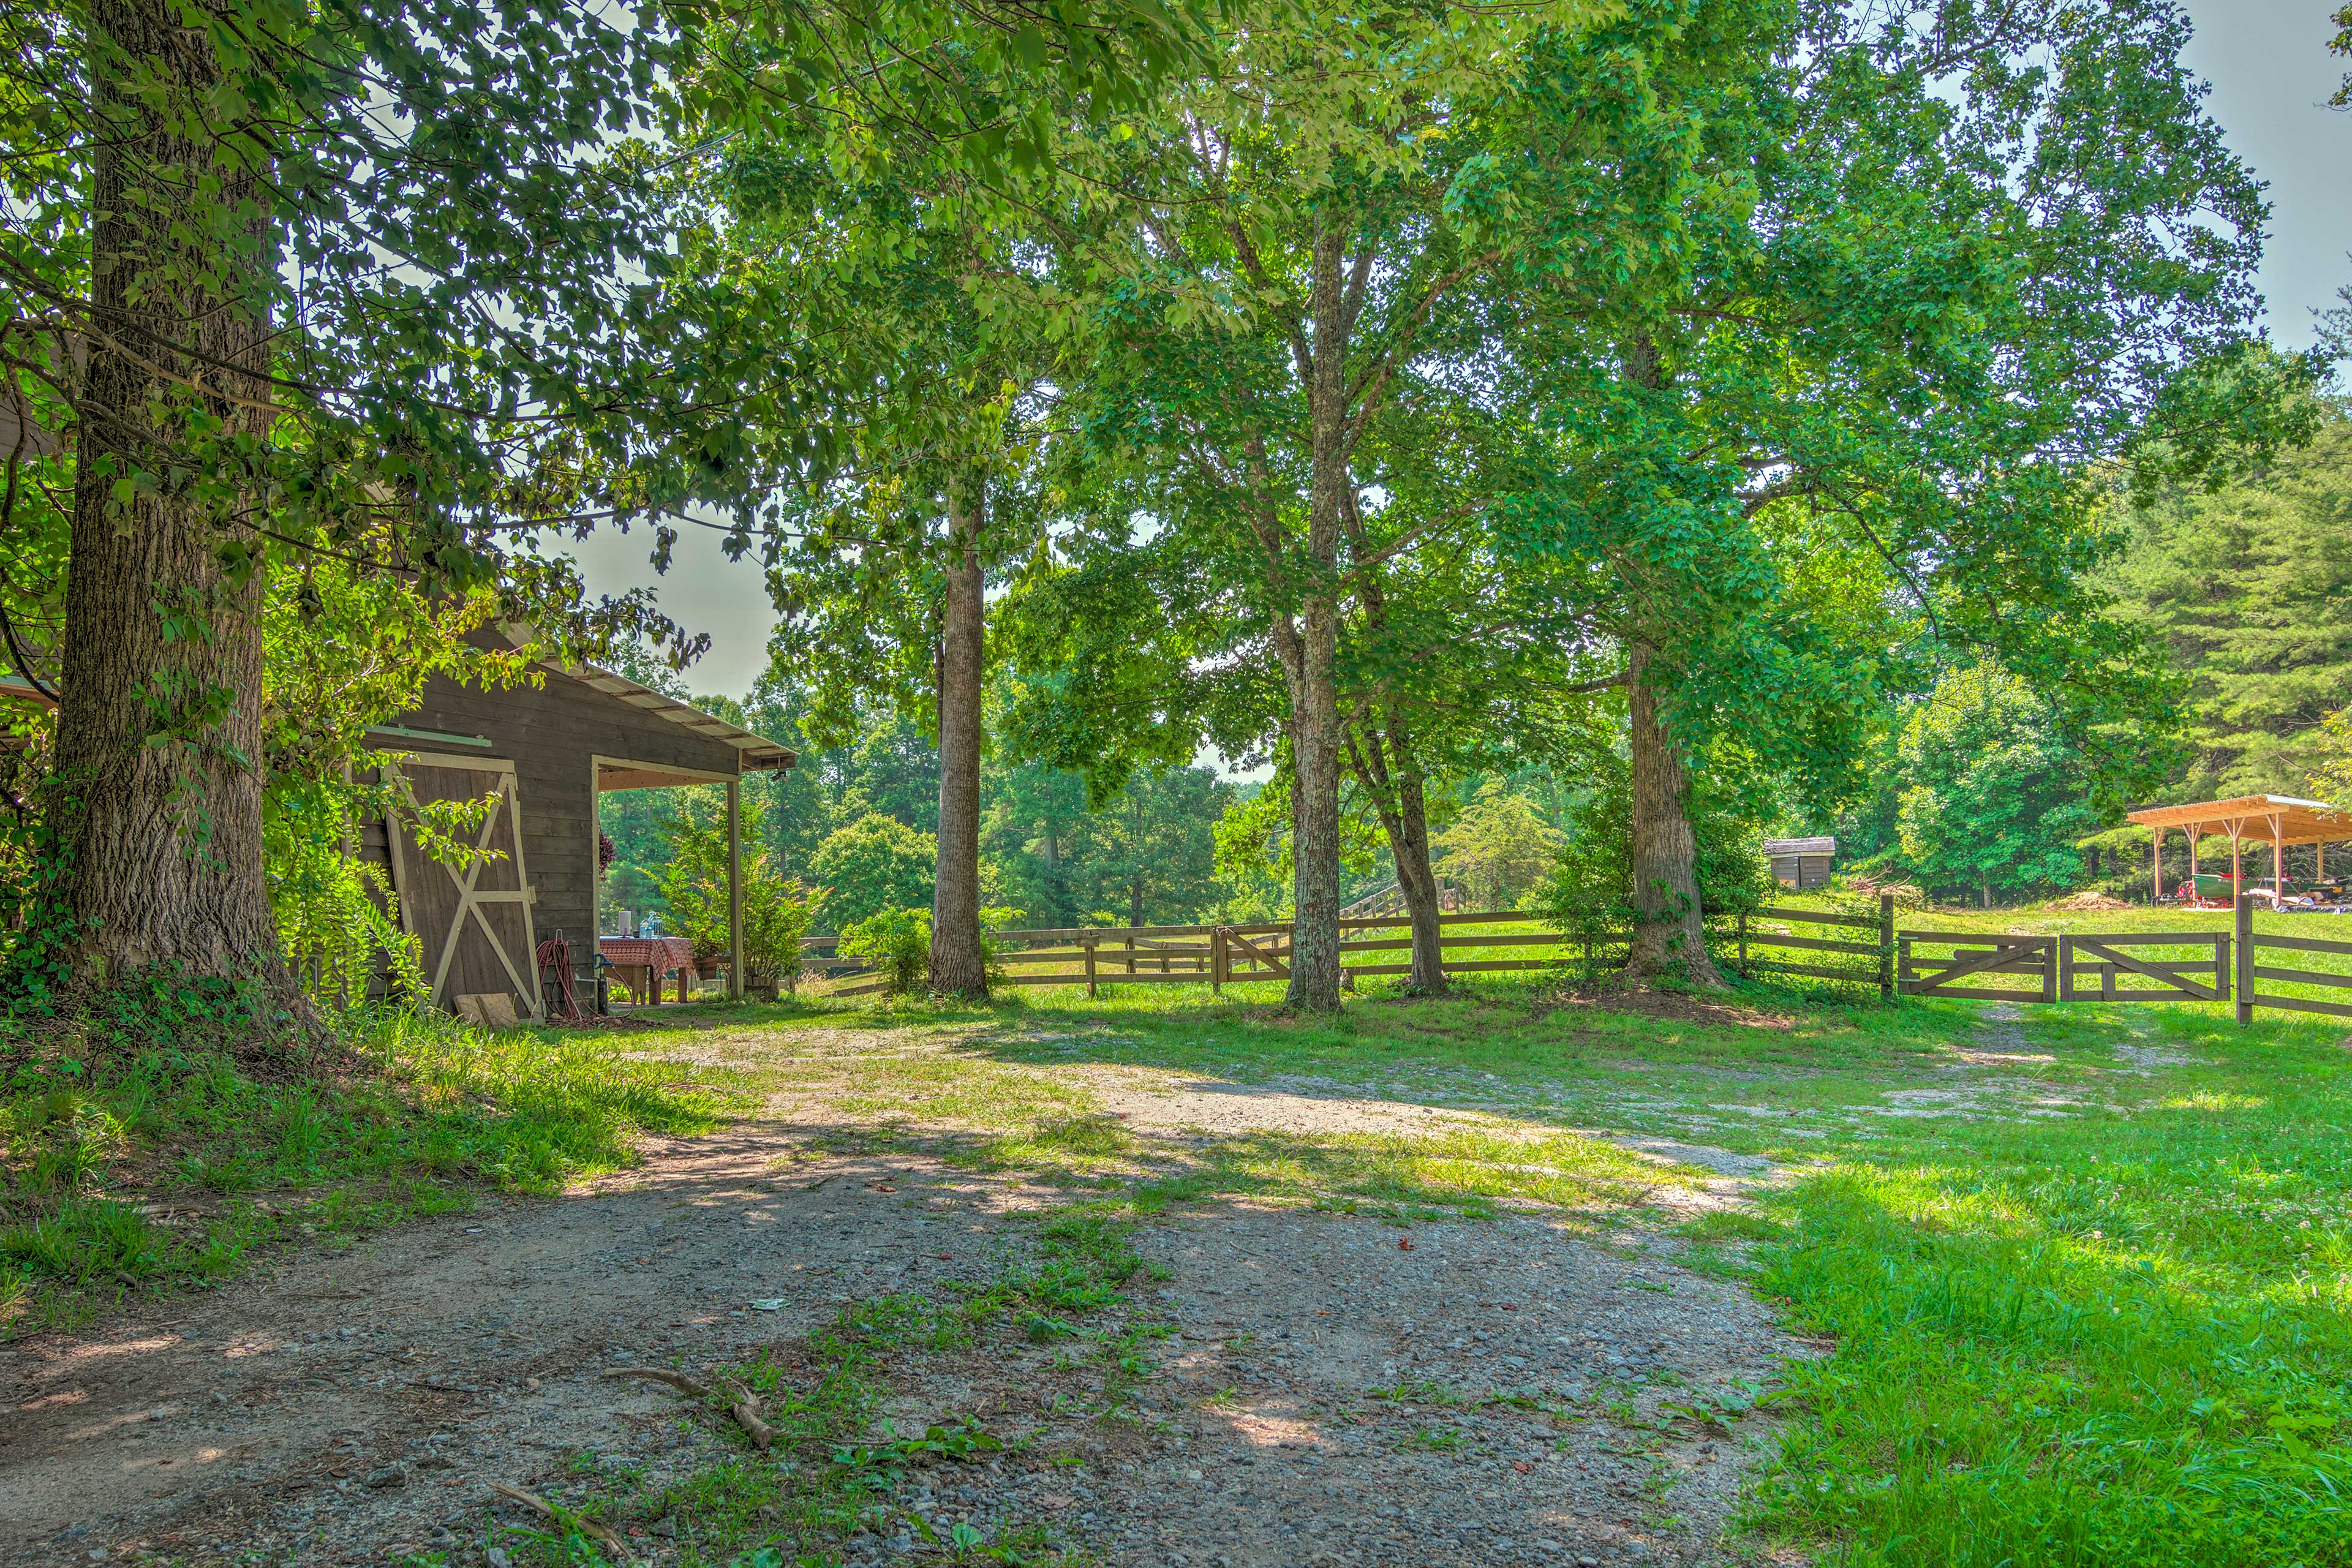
x=1467 y=1172
x=965 y=1089
x=430 y=1109
x=1069 y=1144
x=2213 y=1100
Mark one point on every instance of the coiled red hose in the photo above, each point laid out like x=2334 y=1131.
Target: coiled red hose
x=555 y=963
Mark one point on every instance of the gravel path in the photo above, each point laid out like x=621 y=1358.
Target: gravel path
x=1326 y=1396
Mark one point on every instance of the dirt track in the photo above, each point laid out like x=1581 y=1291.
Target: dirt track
x=355 y=1408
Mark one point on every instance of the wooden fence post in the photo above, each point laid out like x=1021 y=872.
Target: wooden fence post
x=1887 y=947
x=1090 y=969
x=1217 y=960
x=2245 y=923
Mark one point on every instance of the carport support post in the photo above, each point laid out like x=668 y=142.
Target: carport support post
x=735 y=889
x=2155 y=859
x=2245 y=923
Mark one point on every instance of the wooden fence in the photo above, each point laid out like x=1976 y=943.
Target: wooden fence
x=1751 y=931
x=2252 y=970
x=1217 y=955
x=2124 y=966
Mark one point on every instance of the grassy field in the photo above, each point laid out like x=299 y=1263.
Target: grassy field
x=2087 y=1269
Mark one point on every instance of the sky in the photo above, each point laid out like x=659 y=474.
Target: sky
x=2271 y=75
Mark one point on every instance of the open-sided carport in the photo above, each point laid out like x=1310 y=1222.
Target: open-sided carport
x=2277 y=820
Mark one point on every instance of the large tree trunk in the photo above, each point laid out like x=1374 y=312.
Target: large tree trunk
x=159 y=782
x=959 y=961
x=1315 y=731
x=1668 y=938
x=1392 y=777
x=1315 y=818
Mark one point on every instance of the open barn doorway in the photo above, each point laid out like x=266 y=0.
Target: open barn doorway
x=649 y=954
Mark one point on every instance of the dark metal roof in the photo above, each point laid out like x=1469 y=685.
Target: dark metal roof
x=1801 y=846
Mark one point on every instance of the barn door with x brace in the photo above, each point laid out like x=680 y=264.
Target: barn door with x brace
x=473 y=920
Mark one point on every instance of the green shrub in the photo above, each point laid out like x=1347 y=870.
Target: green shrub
x=899 y=943
x=694 y=885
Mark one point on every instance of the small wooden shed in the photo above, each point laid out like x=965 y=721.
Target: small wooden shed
x=545 y=754
x=1801 y=862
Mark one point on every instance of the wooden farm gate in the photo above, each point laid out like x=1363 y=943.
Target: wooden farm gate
x=1976 y=958
x=2086 y=967
x=2126 y=977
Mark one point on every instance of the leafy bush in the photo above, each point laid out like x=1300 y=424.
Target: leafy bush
x=694 y=885
x=899 y=943
x=875 y=864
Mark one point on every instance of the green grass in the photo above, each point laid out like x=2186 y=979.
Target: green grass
x=163 y=1168
x=2088 y=1277
x=2083 y=1279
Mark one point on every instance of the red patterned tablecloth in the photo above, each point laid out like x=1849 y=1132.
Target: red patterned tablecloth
x=666 y=953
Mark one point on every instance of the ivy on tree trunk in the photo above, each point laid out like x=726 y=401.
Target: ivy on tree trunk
x=159 y=781
x=1668 y=934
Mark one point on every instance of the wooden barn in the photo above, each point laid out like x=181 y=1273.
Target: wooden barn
x=1801 y=862
x=546 y=754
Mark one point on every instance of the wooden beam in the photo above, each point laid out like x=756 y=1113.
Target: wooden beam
x=735 y=889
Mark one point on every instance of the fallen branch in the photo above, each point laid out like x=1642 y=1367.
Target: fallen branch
x=587 y=1527
x=741 y=1404
x=677 y=1380
x=746 y=1411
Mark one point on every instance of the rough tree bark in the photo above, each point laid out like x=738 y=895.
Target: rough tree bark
x=160 y=723
x=959 y=961
x=1312 y=665
x=1668 y=938
x=1391 y=774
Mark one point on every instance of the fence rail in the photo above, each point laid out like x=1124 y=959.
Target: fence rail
x=1772 y=942
x=1755 y=930
x=1096 y=956
x=2253 y=971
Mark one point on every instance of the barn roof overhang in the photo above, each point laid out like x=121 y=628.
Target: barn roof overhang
x=754 y=752
x=2265 y=818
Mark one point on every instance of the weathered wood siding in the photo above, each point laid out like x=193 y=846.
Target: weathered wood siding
x=552 y=735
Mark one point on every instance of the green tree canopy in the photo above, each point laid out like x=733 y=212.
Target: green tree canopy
x=2248 y=589
x=1995 y=796
x=872 y=864
x=1498 y=847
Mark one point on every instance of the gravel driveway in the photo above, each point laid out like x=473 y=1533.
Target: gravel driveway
x=1330 y=1389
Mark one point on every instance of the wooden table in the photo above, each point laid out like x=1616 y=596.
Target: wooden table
x=657 y=955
